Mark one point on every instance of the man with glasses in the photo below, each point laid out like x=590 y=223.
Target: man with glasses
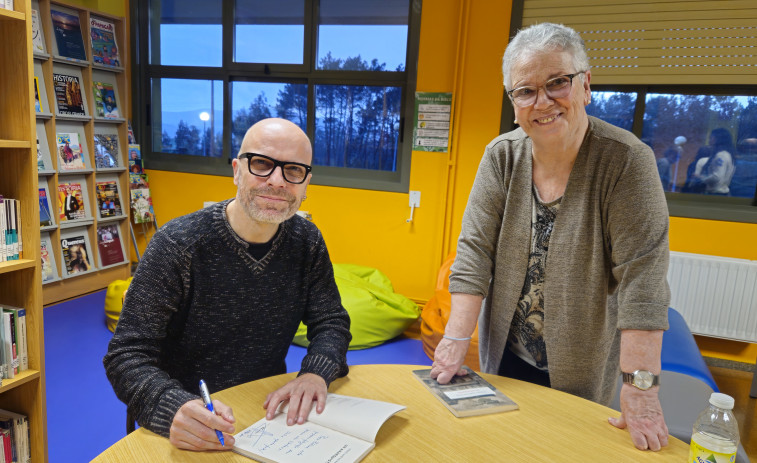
x=563 y=249
x=219 y=295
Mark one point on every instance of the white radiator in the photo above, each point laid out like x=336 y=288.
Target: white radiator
x=717 y=296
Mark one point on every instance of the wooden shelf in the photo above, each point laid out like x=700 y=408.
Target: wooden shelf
x=10 y=15
x=15 y=265
x=15 y=144
x=21 y=378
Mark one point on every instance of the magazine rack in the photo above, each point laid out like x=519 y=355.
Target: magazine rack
x=75 y=49
x=145 y=233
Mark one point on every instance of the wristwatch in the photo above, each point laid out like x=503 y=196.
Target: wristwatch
x=641 y=379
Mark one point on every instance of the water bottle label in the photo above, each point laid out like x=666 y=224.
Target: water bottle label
x=699 y=454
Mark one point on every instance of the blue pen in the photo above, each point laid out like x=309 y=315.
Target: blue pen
x=209 y=405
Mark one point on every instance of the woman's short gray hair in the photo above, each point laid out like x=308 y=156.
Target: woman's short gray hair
x=540 y=38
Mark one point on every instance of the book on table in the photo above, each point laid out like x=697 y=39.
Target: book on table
x=467 y=395
x=345 y=432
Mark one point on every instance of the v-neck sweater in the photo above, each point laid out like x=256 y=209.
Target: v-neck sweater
x=201 y=307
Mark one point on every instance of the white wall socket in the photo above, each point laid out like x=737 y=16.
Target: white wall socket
x=415 y=199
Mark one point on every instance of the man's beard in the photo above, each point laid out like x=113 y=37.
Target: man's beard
x=268 y=214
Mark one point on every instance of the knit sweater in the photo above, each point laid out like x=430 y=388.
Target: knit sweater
x=201 y=307
x=607 y=263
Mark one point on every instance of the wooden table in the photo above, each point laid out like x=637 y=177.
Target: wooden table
x=549 y=426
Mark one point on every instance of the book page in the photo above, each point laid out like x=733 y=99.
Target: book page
x=274 y=441
x=355 y=416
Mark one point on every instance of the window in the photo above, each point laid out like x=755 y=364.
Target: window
x=344 y=71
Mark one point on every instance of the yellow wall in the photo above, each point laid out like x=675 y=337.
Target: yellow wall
x=460 y=51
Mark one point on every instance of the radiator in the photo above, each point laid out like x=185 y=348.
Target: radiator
x=717 y=296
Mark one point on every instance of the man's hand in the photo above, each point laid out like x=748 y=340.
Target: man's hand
x=642 y=414
x=194 y=426
x=300 y=393
x=448 y=360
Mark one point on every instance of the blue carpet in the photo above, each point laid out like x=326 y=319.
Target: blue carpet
x=84 y=417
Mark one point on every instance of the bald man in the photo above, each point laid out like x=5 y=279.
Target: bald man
x=219 y=295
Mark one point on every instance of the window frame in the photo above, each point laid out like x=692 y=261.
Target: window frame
x=230 y=71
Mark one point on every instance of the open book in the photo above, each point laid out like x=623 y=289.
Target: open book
x=345 y=432
x=468 y=395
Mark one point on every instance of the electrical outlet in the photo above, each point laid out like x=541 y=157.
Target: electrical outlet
x=415 y=199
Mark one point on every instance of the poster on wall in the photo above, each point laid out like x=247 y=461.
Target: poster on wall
x=432 y=121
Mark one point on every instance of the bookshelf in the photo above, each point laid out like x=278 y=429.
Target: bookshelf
x=20 y=280
x=86 y=122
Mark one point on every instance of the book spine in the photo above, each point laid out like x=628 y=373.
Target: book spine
x=8 y=344
x=3 y=233
x=3 y=361
x=11 y=318
x=19 y=239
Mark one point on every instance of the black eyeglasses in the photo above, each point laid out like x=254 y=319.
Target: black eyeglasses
x=261 y=165
x=556 y=87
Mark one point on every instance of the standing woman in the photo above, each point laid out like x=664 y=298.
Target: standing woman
x=563 y=254
x=716 y=171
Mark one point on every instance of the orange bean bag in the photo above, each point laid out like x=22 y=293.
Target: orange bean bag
x=436 y=313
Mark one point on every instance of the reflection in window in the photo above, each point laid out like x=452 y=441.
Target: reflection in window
x=184 y=125
x=357 y=126
x=254 y=101
x=269 y=32
x=704 y=144
x=614 y=107
x=189 y=34
x=360 y=36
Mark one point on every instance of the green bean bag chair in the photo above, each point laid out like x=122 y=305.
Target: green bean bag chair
x=377 y=313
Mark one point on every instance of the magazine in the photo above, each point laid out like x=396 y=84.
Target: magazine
x=40 y=157
x=70 y=156
x=45 y=218
x=138 y=181
x=104 y=48
x=106 y=150
x=47 y=266
x=105 y=100
x=38 y=42
x=37 y=102
x=109 y=245
x=75 y=254
x=135 y=160
x=68 y=35
x=68 y=95
x=70 y=202
x=141 y=206
x=108 y=201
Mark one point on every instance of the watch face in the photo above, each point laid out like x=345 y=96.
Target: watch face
x=643 y=379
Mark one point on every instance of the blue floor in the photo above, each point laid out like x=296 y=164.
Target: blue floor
x=84 y=417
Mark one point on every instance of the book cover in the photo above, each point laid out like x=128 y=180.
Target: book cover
x=75 y=254
x=344 y=432
x=40 y=157
x=468 y=395
x=135 y=160
x=108 y=201
x=38 y=42
x=106 y=150
x=45 y=218
x=137 y=181
x=70 y=156
x=68 y=95
x=37 y=102
x=109 y=245
x=105 y=100
x=22 y=349
x=141 y=205
x=104 y=48
x=130 y=133
x=70 y=202
x=47 y=265
x=68 y=35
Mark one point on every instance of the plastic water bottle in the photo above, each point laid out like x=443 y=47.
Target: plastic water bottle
x=715 y=438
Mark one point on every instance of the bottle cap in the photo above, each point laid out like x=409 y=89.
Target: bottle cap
x=723 y=401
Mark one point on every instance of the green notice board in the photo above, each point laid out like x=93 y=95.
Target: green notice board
x=432 y=121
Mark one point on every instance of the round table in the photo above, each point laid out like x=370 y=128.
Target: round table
x=549 y=426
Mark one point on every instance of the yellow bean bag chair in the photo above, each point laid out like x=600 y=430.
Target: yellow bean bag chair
x=114 y=302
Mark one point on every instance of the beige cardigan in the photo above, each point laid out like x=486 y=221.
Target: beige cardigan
x=607 y=261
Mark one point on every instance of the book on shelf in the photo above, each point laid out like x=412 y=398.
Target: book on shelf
x=104 y=48
x=135 y=160
x=40 y=157
x=45 y=217
x=106 y=150
x=47 y=264
x=105 y=100
x=108 y=201
x=38 y=40
x=37 y=103
x=68 y=35
x=467 y=395
x=141 y=205
x=109 y=245
x=70 y=155
x=9 y=345
x=68 y=95
x=70 y=202
x=75 y=254
x=19 y=327
x=137 y=181
x=16 y=427
x=345 y=432
x=6 y=4
x=10 y=230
